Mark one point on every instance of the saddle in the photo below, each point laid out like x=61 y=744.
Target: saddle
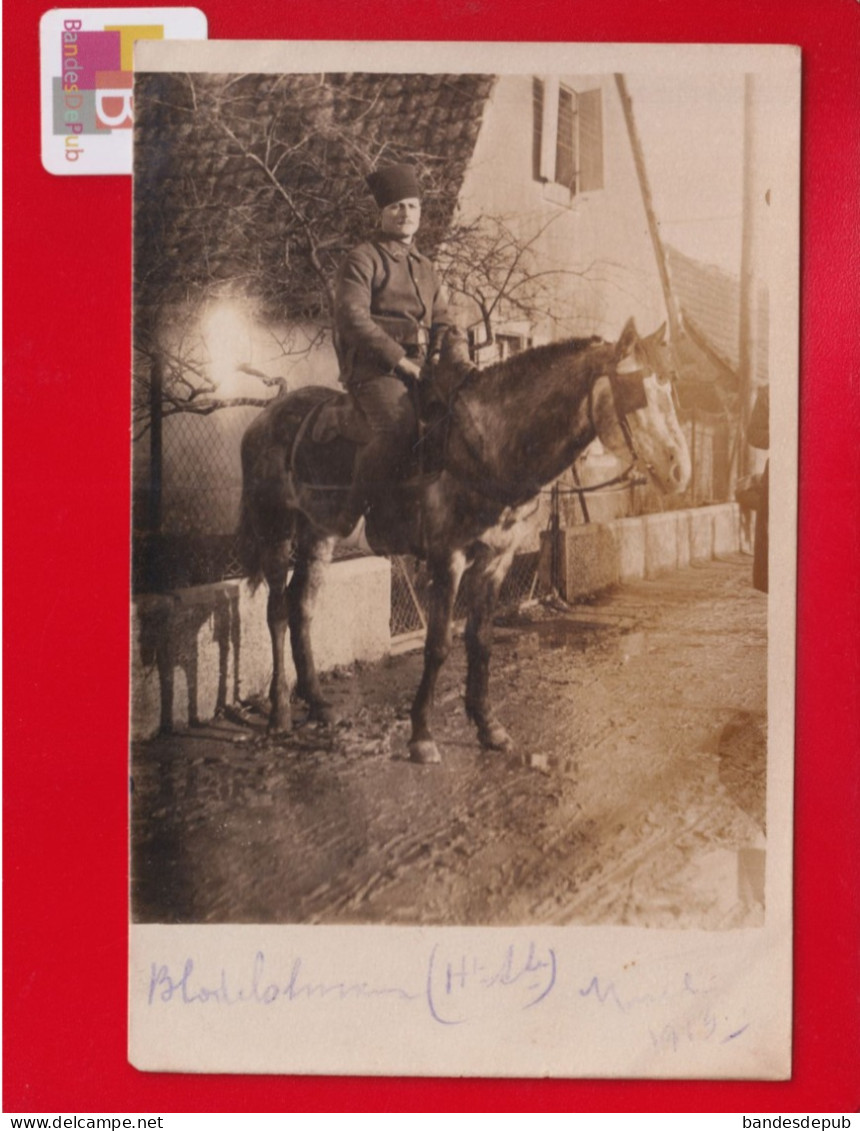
x=340 y=419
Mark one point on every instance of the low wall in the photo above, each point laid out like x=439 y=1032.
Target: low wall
x=594 y=556
x=197 y=650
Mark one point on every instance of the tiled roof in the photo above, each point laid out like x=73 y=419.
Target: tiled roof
x=710 y=301
x=206 y=212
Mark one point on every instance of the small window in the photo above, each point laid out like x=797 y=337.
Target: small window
x=510 y=344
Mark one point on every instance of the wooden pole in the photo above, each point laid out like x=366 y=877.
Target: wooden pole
x=555 y=528
x=672 y=309
x=582 y=503
x=156 y=458
x=153 y=550
x=693 y=485
x=748 y=324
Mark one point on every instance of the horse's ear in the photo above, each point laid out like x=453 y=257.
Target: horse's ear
x=629 y=338
x=660 y=335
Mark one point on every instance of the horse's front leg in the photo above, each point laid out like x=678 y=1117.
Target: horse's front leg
x=444 y=581
x=486 y=577
x=314 y=554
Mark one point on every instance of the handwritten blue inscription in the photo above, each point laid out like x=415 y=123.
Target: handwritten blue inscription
x=455 y=988
x=462 y=986
x=699 y=1022
x=459 y=986
x=606 y=992
x=259 y=989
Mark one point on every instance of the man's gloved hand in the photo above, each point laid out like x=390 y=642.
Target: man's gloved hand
x=408 y=368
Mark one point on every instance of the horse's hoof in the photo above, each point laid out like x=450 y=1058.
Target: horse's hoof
x=495 y=737
x=323 y=713
x=280 y=728
x=425 y=751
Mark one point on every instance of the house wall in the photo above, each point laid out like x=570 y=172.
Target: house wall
x=598 y=241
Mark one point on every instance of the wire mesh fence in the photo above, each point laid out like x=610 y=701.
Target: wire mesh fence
x=410 y=586
x=188 y=537
x=408 y=597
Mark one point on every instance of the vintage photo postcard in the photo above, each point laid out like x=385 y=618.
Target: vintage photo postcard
x=464 y=455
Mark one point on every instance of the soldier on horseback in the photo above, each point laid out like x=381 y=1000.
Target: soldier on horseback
x=390 y=316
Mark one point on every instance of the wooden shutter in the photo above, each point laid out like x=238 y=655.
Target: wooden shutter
x=590 y=106
x=537 y=128
x=565 y=142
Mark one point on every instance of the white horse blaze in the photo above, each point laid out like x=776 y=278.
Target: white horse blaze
x=659 y=439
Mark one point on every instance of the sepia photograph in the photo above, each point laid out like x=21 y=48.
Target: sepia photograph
x=460 y=600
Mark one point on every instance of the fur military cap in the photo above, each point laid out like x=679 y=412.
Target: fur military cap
x=393 y=183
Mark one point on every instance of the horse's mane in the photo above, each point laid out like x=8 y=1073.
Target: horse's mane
x=513 y=369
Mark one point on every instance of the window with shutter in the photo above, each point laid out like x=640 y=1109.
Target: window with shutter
x=566 y=124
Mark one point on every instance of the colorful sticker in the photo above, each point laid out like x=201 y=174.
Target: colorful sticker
x=87 y=79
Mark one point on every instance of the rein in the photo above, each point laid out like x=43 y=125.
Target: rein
x=618 y=481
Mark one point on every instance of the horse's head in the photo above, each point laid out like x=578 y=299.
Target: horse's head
x=643 y=424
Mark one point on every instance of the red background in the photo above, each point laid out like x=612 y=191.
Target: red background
x=67 y=272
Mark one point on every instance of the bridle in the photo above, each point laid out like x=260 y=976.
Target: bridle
x=628 y=395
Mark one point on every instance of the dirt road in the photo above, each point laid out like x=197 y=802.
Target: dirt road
x=636 y=794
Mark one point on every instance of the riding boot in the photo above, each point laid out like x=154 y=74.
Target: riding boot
x=382 y=462
x=375 y=474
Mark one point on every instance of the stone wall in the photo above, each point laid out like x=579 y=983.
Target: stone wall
x=594 y=556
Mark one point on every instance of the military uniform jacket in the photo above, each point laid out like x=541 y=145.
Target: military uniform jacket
x=388 y=306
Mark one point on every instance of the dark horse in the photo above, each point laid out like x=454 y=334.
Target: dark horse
x=511 y=429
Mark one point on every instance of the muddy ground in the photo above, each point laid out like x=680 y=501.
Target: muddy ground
x=636 y=794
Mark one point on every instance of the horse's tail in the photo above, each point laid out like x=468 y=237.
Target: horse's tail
x=250 y=542
x=266 y=518
x=250 y=545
